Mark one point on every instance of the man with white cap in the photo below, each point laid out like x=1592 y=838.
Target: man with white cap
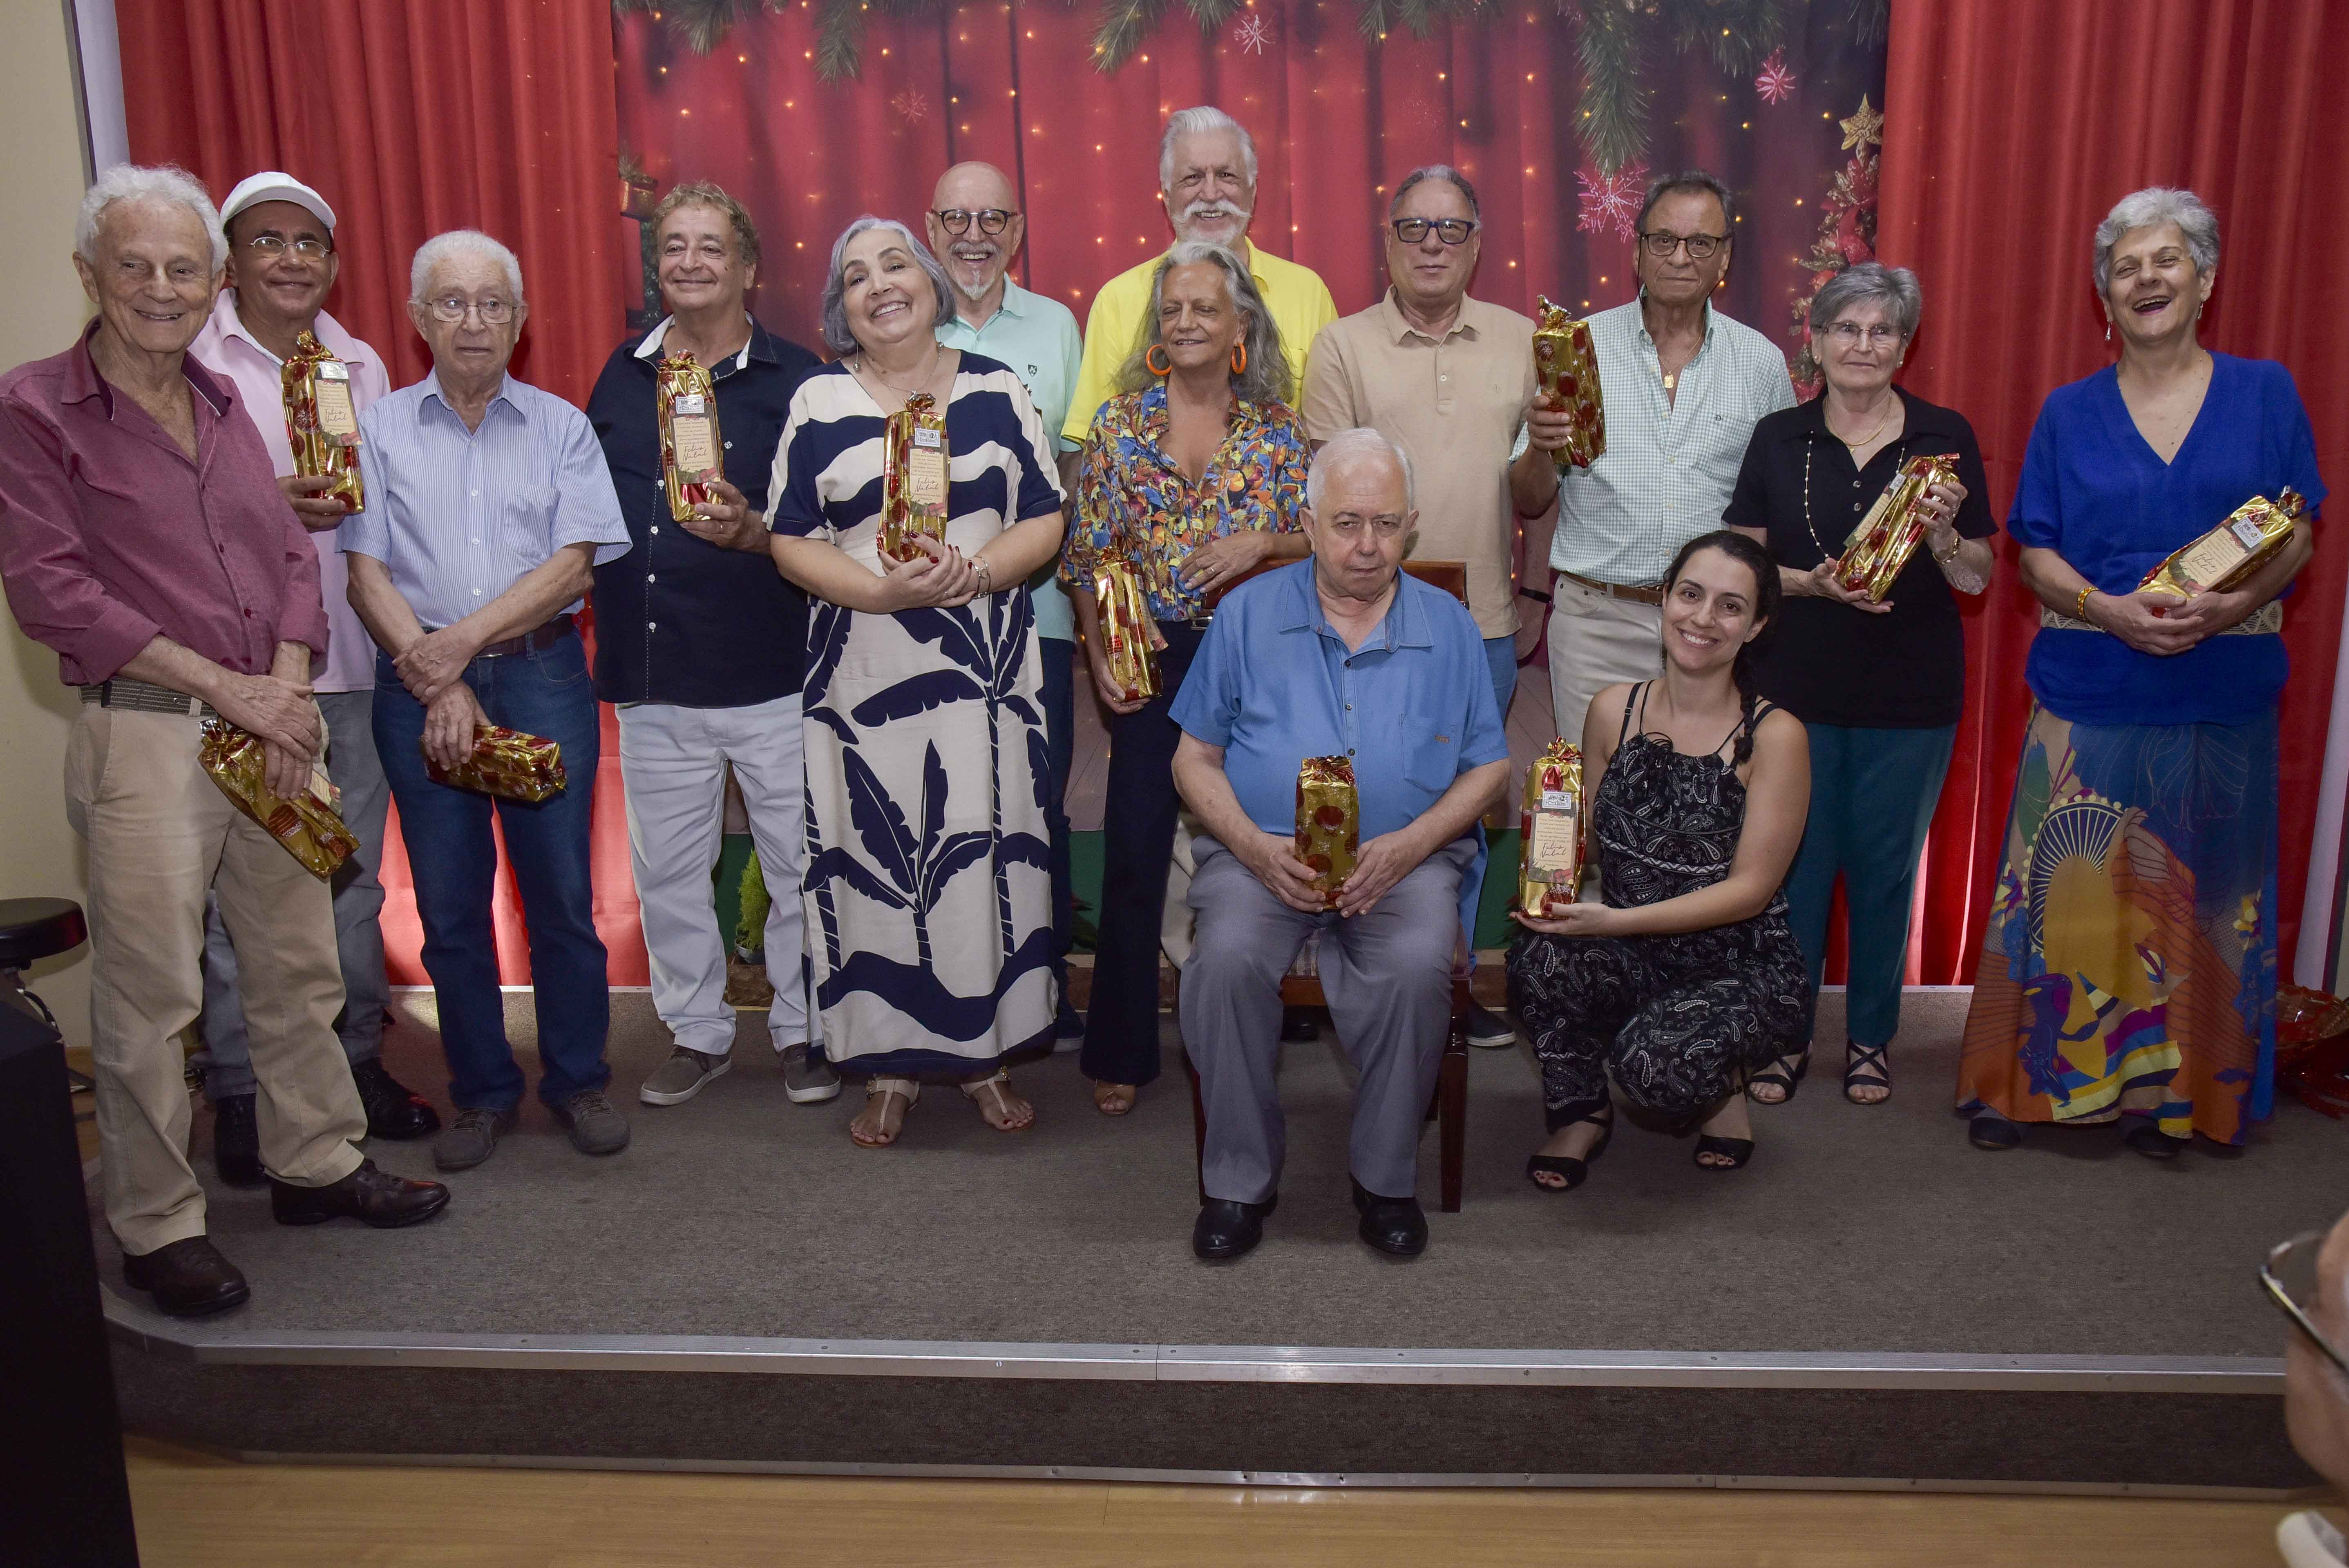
x=282 y=264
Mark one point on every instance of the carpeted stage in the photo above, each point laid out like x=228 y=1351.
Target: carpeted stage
x=1870 y=1301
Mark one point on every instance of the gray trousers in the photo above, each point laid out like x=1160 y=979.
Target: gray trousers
x=1387 y=975
x=358 y=772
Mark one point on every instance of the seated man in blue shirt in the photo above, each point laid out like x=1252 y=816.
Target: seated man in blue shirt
x=1338 y=654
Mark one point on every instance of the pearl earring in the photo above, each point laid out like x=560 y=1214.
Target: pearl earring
x=2108 y=331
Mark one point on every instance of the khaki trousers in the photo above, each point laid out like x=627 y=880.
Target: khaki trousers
x=1595 y=641
x=160 y=833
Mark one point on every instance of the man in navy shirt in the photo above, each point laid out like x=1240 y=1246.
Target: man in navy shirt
x=1338 y=654
x=702 y=645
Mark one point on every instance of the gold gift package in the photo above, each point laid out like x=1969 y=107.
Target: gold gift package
x=1550 y=831
x=307 y=825
x=1329 y=821
x=506 y=763
x=321 y=421
x=1566 y=367
x=691 y=454
x=913 y=466
x=1125 y=628
x=1876 y=551
x=2223 y=558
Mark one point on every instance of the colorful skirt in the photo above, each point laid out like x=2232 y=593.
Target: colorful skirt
x=2130 y=960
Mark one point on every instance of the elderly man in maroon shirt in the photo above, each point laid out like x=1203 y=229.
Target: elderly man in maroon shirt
x=144 y=538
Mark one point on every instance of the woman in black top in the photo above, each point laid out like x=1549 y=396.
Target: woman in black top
x=1877 y=687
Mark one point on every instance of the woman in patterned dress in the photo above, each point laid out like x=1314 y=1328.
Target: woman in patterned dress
x=929 y=878
x=1685 y=976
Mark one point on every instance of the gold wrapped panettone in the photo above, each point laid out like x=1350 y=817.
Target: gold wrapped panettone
x=1887 y=537
x=505 y=762
x=2232 y=551
x=307 y=825
x=691 y=453
x=1550 y=862
x=1329 y=821
x=1125 y=627
x=321 y=421
x=1566 y=367
x=914 y=460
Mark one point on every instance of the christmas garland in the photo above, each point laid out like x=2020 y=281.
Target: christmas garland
x=1847 y=236
x=1616 y=41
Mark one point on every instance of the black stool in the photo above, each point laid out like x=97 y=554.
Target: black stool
x=31 y=929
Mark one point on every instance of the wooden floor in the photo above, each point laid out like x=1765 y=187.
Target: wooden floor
x=197 y=1510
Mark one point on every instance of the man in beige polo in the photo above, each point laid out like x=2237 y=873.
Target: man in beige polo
x=1449 y=380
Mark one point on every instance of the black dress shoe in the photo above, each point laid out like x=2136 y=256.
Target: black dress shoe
x=236 y=1141
x=1298 y=1025
x=371 y=1196
x=1394 y=1225
x=1227 y=1228
x=190 y=1278
x=393 y=1110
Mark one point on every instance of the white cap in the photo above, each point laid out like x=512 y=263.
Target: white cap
x=271 y=185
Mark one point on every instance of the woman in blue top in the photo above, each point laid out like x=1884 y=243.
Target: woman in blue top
x=2129 y=964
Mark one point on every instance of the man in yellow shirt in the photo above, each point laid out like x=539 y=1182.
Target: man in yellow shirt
x=1206 y=175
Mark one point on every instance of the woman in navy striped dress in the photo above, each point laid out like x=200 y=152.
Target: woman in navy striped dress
x=928 y=886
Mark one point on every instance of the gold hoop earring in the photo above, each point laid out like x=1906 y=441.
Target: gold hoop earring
x=1151 y=357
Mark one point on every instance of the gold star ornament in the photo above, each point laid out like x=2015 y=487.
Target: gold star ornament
x=1863 y=128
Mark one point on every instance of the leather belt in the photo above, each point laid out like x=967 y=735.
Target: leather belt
x=1648 y=595
x=545 y=637
x=142 y=697
x=2265 y=620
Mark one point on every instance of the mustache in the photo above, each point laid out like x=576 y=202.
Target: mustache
x=1215 y=209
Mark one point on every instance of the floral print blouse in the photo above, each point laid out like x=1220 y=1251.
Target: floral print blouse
x=1132 y=499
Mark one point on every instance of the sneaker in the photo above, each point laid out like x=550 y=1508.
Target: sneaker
x=681 y=1077
x=1490 y=1030
x=807 y=1081
x=474 y=1138
x=595 y=1123
x=236 y=1141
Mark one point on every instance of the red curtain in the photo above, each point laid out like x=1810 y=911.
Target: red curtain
x=412 y=119
x=2013 y=126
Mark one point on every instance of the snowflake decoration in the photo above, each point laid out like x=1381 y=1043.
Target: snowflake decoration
x=1776 y=83
x=1611 y=200
x=1253 y=35
x=911 y=105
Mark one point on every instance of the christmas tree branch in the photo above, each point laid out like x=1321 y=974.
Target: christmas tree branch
x=1125 y=26
x=1614 y=127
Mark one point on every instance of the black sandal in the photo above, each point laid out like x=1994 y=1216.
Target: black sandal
x=2154 y=1144
x=1992 y=1131
x=1737 y=1151
x=1576 y=1171
x=1778 y=1075
x=1857 y=1057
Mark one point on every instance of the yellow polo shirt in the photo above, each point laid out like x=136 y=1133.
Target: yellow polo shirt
x=1300 y=302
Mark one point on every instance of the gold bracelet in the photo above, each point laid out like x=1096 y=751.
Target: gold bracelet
x=1952 y=555
x=2080 y=605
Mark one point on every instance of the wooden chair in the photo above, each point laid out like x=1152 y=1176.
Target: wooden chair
x=1449 y=1107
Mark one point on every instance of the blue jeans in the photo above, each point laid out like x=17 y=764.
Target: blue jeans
x=1059 y=654
x=1872 y=797
x=454 y=862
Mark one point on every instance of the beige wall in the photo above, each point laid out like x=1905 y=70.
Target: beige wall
x=39 y=854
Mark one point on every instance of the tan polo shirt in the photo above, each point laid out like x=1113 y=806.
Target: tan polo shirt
x=1456 y=407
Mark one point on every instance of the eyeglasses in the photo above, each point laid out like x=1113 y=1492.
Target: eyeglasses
x=1384 y=526
x=492 y=312
x=958 y=220
x=1660 y=245
x=1849 y=333
x=1451 y=230
x=2289 y=1276
x=269 y=247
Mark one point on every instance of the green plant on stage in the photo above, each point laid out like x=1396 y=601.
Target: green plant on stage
x=750 y=928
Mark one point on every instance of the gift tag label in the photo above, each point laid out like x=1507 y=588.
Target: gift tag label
x=2247 y=531
x=1555 y=842
x=1557 y=800
x=925 y=472
x=924 y=437
x=333 y=370
x=336 y=416
x=2211 y=558
x=693 y=440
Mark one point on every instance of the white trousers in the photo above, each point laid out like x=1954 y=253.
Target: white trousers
x=1595 y=641
x=674 y=759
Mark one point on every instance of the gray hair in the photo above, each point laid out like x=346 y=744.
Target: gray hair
x=2146 y=209
x=1266 y=379
x=1689 y=182
x=1869 y=283
x=138 y=182
x=836 y=335
x=1443 y=171
x=1361 y=441
x=1201 y=121
x=457 y=242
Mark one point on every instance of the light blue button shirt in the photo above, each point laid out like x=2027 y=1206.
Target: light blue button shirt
x=1039 y=339
x=459 y=516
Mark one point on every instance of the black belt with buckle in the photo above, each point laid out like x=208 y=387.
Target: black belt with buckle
x=546 y=636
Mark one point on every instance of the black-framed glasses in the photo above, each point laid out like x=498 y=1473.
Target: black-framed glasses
x=269 y=247
x=958 y=220
x=2289 y=1276
x=1451 y=230
x=1662 y=244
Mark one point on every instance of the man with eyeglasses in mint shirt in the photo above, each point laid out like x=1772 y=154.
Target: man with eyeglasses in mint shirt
x=282 y=264
x=1683 y=386
x=976 y=229
x=1449 y=379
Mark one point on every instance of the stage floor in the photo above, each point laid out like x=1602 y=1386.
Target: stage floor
x=1853 y=1230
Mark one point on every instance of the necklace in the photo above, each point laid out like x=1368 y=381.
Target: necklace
x=1869 y=439
x=874 y=371
x=1808 y=447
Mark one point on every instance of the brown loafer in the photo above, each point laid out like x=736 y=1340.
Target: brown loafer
x=189 y=1278
x=369 y=1195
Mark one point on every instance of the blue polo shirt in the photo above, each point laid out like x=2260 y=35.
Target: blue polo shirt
x=1274 y=684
